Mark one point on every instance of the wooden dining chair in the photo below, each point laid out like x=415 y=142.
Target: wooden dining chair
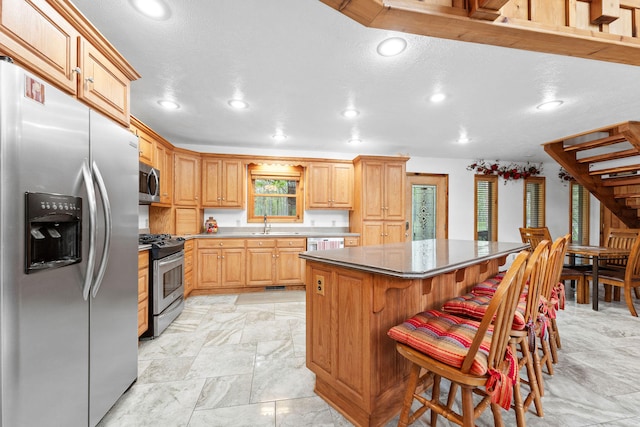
x=534 y=235
x=549 y=303
x=526 y=328
x=626 y=279
x=473 y=355
x=620 y=238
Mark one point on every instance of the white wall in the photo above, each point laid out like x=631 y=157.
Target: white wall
x=510 y=200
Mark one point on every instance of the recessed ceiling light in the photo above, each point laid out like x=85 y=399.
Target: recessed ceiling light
x=169 y=105
x=392 y=46
x=279 y=136
x=550 y=105
x=238 y=104
x=354 y=141
x=350 y=113
x=437 y=97
x=154 y=9
x=463 y=140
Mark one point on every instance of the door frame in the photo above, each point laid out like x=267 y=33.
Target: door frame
x=441 y=181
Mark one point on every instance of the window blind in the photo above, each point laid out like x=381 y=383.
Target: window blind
x=534 y=202
x=579 y=214
x=486 y=208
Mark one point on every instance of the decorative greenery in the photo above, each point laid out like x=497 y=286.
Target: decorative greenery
x=512 y=171
x=564 y=175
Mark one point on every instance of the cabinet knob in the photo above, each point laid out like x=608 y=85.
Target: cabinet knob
x=260 y=243
x=222 y=256
x=76 y=70
x=220 y=243
x=89 y=79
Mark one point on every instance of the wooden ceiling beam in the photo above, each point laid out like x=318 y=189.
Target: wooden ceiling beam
x=454 y=23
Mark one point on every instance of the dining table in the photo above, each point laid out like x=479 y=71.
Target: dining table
x=596 y=254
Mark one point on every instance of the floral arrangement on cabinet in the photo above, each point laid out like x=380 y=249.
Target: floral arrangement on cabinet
x=512 y=171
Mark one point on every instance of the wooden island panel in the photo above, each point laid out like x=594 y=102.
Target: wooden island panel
x=349 y=312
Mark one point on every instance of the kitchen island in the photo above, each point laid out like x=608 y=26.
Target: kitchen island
x=354 y=295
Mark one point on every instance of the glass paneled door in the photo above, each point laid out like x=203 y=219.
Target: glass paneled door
x=427 y=213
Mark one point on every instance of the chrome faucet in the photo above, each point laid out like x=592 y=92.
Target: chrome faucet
x=265 y=224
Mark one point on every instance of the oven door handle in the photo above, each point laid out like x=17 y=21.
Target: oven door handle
x=93 y=208
x=177 y=258
x=108 y=225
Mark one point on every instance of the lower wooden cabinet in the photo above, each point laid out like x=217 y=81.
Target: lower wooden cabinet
x=380 y=232
x=143 y=291
x=188 y=267
x=220 y=263
x=275 y=261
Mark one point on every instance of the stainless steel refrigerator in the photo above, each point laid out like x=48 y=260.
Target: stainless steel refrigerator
x=68 y=264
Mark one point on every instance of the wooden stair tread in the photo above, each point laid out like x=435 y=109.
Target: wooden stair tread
x=619 y=169
x=602 y=142
x=609 y=156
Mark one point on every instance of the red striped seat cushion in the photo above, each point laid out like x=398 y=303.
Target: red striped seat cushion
x=444 y=337
x=488 y=287
x=474 y=306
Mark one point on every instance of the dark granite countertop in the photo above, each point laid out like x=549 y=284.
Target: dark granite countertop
x=415 y=260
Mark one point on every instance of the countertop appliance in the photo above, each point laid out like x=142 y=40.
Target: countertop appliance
x=148 y=184
x=324 y=243
x=166 y=281
x=68 y=256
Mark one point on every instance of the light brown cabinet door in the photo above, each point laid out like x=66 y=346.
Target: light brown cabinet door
x=342 y=186
x=394 y=232
x=372 y=190
x=372 y=233
x=163 y=161
x=146 y=148
x=289 y=266
x=319 y=183
x=38 y=37
x=186 y=191
x=260 y=266
x=102 y=85
x=211 y=175
x=143 y=292
x=233 y=267
x=233 y=183
x=209 y=275
x=393 y=204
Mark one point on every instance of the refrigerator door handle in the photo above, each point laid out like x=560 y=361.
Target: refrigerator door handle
x=93 y=208
x=108 y=224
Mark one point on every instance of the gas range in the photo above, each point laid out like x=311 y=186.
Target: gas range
x=162 y=245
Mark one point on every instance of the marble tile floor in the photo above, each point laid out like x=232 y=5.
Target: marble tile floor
x=230 y=360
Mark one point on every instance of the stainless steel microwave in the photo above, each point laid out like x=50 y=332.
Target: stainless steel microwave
x=148 y=184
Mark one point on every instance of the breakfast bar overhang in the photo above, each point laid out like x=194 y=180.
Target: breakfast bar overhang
x=354 y=295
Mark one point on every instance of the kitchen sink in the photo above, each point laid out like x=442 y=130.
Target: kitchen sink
x=275 y=233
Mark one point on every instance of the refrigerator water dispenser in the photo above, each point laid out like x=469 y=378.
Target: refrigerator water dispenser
x=53 y=228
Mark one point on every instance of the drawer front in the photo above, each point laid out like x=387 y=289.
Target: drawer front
x=351 y=241
x=188 y=245
x=143 y=259
x=188 y=261
x=220 y=243
x=261 y=243
x=292 y=243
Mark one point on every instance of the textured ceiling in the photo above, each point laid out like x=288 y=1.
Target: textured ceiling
x=299 y=64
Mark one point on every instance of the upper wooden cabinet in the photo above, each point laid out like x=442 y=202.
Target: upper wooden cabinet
x=156 y=151
x=163 y=161
x=186 y=189
x=329 y=186
x=382 y=190
x=379 y=202
x=223 y=183
x=53 y=40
